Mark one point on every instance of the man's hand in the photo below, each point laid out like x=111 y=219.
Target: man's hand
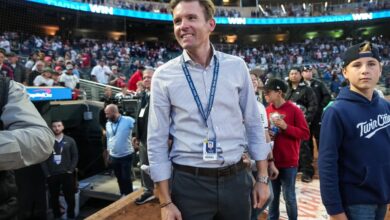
x=246 y=159
x=271 y=135
x=281 y=124
x=260 y=194
x=340 y=216
x=273 y=172
x=135 y=143
x=170 y=212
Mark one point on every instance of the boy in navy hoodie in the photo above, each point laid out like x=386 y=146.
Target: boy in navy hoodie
x=354 y=153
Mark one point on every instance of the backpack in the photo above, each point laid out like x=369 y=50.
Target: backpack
x=8 y=189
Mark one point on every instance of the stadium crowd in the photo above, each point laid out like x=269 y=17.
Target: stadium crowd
x=300 y=10
x=289 y=10
x=83 y=56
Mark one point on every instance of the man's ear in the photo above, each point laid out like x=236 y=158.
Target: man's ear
x=211 y=22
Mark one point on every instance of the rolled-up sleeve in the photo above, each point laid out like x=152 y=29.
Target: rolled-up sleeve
x=257 y=147
x=158 y=131
x=26 y=138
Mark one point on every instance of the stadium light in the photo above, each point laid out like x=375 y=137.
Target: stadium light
x=284 y=10
x=326 y=4
x=349 y=1
x=261 y=8
x=304 y=6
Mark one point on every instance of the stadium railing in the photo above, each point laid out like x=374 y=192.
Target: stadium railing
x=94 y=90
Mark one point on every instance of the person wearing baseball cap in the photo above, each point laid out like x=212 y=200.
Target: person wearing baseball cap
x=45 y=78
x=323 y=98
x=301 y=94
x=20 y=73
x=287 y=128
x=48 y=61
x=354 y=151
x=68 y=79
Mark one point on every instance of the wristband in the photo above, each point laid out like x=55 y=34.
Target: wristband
x=271 y=160
x=165 y=204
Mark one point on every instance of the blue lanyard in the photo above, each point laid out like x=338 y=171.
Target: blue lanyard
x=61 y=145
x=213 y=88
x=116 y=128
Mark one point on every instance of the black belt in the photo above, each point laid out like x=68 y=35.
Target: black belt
x=212 y=172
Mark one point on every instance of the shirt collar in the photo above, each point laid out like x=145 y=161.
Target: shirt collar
x=188 y=59
x=59 y=138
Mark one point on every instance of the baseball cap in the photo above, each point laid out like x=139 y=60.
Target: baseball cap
x=114 y=67
x=47 y=69
x=364 y=49
x=275 y=84
x=307 y=67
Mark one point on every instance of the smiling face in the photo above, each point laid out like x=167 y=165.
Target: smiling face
x=363 y=74
x=255 y=82
x=191 y=28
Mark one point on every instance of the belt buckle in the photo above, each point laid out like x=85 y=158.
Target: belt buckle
x=224 y=172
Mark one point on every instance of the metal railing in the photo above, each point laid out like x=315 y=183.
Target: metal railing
x=95 y=91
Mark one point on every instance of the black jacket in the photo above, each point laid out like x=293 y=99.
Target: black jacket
x=31 y=77
x=8 y=195
x=305 y=98
x=323 y=98
x=69 y=158
x=19 y=73
x=141 y=128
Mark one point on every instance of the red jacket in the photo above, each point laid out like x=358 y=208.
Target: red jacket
x=287 y=143
x=132 y=83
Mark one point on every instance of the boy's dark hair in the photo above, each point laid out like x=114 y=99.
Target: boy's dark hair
x=275 y=85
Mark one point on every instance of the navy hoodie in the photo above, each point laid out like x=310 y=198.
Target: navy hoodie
x=354 y=152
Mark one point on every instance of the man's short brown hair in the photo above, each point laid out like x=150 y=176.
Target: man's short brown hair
x=208 y=6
